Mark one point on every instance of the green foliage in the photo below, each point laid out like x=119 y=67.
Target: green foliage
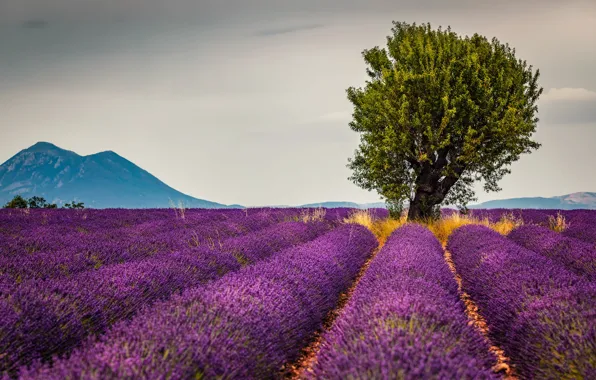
x=395 y=209
x=33 y=202
x=39 y=202
x=439 y=113
x=36 y=202
x=75 y=205
x=17 y=202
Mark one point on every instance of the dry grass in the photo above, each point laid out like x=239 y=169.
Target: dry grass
x=558 y=223
x=316 y=215
x=178 y=210
x=382 y=228
x=442 y=228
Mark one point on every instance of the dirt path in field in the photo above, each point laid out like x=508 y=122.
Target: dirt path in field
x=303 y=366
x=479 y=323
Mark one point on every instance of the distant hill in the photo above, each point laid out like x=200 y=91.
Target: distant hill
x=583 y=200
x=101 y=180
x=346 y=204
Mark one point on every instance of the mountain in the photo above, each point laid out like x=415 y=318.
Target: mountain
x=101 y=180
x=583 y=200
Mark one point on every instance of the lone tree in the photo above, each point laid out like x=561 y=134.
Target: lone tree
x=439 y=113
x=17 y=202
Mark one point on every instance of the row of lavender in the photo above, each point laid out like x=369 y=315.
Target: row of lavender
x=42 y=230
x=576 y=255
x=579 y=224
x=41 y=318
x=537 y=216
x=43 y=315
x=65 y=248
x=16 y=220
x=539 y=303
x=405 y=320
x=249 y=324
x=59 y=243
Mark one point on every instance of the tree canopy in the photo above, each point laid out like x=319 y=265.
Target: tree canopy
x=438 y=113
x=17 y=202
x=40 y=202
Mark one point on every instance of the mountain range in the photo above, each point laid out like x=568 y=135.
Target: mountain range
x=580 y=200
x=107 y=180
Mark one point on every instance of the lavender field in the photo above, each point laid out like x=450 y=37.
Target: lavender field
x=295 y=293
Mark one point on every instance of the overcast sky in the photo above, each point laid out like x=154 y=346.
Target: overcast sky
x=243 y=101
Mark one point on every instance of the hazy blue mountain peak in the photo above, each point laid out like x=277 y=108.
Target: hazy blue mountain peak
x=100 y=180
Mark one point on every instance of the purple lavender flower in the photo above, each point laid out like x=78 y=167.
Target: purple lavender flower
x=62 y=248
x=246 y=325
x=540 y=313
x=576 y=255
x=49 y=317
x=582 y=231
x=405 y=320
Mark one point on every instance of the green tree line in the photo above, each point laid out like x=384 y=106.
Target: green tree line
x=39 y=202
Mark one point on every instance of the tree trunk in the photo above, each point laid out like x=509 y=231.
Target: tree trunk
x=431 y=190
x=415 y=211
x=421 y=207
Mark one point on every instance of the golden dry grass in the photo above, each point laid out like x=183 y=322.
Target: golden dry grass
x=442 y=228
x=316 y=215
x=382 y=228
x=558 y=223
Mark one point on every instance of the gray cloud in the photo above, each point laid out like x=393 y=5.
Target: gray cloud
x=568 y=106
x=35 y=24
x=286 y=30
x=205 y=10
x=568 y=112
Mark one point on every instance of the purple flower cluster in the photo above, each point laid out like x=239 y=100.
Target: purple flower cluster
x=540 y=313
x=541 y=217
x=246 y=325
x=43 y=318
x=582 y=231
x=576 y=255
x=495 y=214
x=62 y=250
x=405 y=320
x=580 y=217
